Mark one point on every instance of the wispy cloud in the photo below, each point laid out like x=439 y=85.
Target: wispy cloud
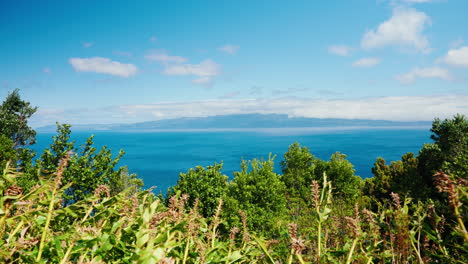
x=162 y=57
x=457 y=57
x=230 y=95
x=340 y=50
x=288 y=91
x=429 y=72
x=103 y=65
x=405 y=29
x=204 y=81
x=456 y=43
x=229 y=49
x=366 y=62
x=205 y=71
x=87 y=44
x=400 y=108
x=47 y=70
x=255 y=90
x=153 y=39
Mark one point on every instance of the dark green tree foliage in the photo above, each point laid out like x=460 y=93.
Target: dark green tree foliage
x=448 y=153
x=451 y=136
x=407 y=180
x=7 y=152
x=87 y=167
x=340 y=172
x=59 y=148
x=14 y=115
x=207 y=184
x=259 y=192
x=298 y=169
x=378 y=186
x=413 y=176
x=15 y=132
x=430 y=160
x=402 y=177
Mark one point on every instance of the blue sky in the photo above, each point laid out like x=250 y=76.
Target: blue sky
x=129 y=61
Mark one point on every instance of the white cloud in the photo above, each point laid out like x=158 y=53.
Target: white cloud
x=340 y=50
x=47 y=70
x=162 y=57
x=229 y=49
x=366 y=62
x=204 y=81
x=399 y=108
x=205 y=70
x=405 y=28
x=457 y=57
x=88 y=44
x=430 y=72
x=103 y=65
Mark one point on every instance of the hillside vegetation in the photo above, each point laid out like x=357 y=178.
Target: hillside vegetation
x=73 y=205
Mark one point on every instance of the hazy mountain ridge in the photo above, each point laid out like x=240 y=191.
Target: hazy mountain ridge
x=240 y=121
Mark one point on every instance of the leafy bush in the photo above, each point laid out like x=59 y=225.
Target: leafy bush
x=137 y=228
x=207 y=186
x=258 y=192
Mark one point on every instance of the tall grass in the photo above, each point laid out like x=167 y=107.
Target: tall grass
x=131 y=227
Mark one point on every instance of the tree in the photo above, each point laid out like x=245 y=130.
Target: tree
x=7 y=152
x=207 y=185
x=15 y=133
x=341 y=173
x=14 y=115
x=406 y=178
x=259 y=192
x=298 y=171
x=87 y=168
x=413 y=176
x=378 y=186
x=451 y=136
x=402 y=177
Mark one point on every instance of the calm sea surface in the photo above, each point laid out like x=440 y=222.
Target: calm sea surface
x=159 y=157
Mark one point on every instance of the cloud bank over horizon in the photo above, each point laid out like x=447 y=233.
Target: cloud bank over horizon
x=392 y=108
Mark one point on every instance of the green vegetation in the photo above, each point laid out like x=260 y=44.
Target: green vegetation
x=72 y=205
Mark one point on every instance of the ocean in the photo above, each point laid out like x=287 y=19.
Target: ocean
x=159 y=157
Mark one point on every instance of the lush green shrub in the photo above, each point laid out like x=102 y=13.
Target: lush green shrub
x=258 y=192
x=207 y=185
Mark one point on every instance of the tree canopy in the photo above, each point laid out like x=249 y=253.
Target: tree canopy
x=14 y=115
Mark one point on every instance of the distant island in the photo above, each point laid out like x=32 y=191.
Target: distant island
x=243 y=122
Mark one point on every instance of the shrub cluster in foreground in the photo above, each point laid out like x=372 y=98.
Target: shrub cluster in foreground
x=136 y=227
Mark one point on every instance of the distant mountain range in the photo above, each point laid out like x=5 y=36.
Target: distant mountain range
x=240 y=122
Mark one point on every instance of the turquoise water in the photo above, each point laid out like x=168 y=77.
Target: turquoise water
x=159 y=157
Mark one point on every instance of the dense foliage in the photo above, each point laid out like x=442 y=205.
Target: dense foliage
x=208 y=185
x=72 y=205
